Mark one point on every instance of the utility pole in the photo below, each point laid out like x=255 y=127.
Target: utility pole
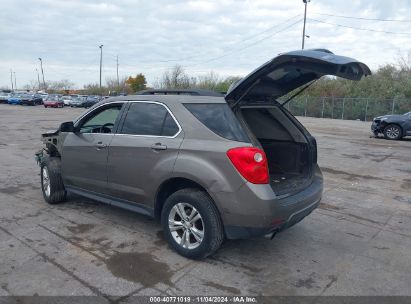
x=118 y=82
x=101 y=61
x=42 y=72
x=15 y=82
x=38 y=77
x=11 y=79
x=305 y=18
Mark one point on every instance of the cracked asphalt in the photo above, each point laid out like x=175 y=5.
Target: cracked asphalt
x=358 y=242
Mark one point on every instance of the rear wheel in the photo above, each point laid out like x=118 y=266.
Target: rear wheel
x=51 y=182
x=392 y=132
x=191 y=223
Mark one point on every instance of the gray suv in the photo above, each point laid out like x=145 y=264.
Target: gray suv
x=209 y=167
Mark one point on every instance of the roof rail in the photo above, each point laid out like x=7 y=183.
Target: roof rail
x=193 y=92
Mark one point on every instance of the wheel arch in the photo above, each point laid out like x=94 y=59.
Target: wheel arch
x=395 y=124
x=52 y=150
x=170 y=186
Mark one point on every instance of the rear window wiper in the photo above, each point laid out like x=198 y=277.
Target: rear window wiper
x=297 y=93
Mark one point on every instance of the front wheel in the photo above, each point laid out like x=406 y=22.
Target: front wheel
x=392 y=132
x=51 y=182
x=192 y=224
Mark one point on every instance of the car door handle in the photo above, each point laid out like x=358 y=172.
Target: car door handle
x=158 y=146
x=100 y=145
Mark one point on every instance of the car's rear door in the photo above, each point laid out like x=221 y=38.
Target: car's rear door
x=143 y=151
x=85 y=152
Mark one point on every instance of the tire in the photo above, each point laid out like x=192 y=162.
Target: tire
x=392 y=132
x=209 y=223
x=51 y=168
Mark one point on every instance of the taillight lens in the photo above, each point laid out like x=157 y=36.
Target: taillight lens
x=251 y=163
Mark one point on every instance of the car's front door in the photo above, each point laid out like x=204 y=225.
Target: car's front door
x=143 y=151
x=85 y=151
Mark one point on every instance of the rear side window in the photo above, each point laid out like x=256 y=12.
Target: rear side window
x=149 y=119
x=219 y=118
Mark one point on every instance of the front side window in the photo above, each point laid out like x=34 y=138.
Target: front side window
x=101 y=122
x=149 y=119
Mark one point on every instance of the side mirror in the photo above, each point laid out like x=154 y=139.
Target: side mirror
x=67 y=127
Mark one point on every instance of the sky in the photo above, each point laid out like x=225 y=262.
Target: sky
x=228 y=37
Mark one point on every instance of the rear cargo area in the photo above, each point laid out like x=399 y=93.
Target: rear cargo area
x=286 y=147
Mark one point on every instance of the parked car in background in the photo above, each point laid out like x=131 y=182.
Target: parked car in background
x=91 y=101
x=83 y=97
x=31 y=99
x=67 y=100
x=15 y=99
x=4 y=96
x=53 y=101
x=78 y=101
x=75 y=102
x=43 y=95
x=74 y=96
x=392 y=126
x=235 y=166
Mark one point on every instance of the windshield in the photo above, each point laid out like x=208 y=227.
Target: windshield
x=408 y=113
x=53 y=97
x=66 y=97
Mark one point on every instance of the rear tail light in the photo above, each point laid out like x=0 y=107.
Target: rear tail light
x=251 y=163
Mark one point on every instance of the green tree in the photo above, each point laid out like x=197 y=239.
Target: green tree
x=137 y=83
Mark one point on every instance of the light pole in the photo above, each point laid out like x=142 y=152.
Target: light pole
x=42 y=73
x=305 y=18
x=101 y=61
x=118 y=82
x=11 y=79
x=38 y=77
x=15 y=81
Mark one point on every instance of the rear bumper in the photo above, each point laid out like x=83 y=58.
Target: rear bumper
x=53 y=105
x=255 y=210
x=238 y=232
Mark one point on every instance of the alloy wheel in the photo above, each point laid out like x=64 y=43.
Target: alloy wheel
x=46 y=181
x=393 y=132
x=186 y=225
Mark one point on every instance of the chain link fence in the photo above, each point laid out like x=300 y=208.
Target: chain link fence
x=364 y=109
